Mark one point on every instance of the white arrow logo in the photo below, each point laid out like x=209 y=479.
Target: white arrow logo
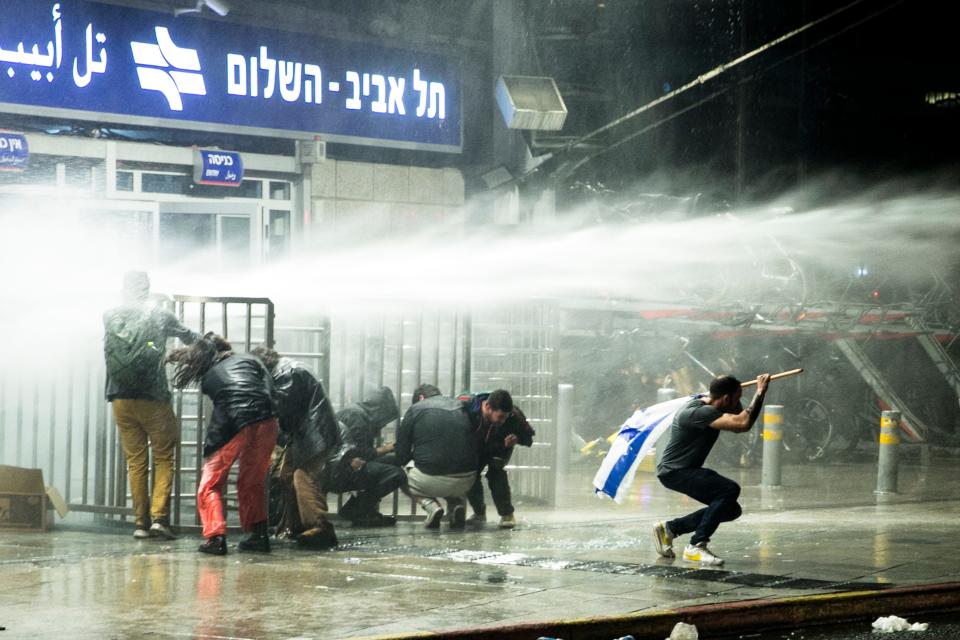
x=165 y=55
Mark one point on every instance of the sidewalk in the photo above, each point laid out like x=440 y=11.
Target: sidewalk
x=824 y=532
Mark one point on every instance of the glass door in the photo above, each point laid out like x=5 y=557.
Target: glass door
x=220 y=235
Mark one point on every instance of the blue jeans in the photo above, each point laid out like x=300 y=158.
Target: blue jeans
x=712 y=489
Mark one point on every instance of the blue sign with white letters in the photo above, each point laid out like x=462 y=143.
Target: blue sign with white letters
x=14 y=153
x=112 y=64
x=223 y=168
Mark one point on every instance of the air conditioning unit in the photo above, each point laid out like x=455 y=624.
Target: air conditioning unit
x=528 y=102
x=313 y=151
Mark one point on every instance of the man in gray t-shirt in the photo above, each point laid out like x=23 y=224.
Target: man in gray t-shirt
x=693 y=433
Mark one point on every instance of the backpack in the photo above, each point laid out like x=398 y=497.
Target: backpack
x=132 y=357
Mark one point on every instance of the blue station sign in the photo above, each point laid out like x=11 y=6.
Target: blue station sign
x=14 y=153
x=113 y=64
x=222 y=168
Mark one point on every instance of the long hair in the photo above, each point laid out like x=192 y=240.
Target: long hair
x=193 y=362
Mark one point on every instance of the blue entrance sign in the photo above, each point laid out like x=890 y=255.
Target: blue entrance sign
x=14 y=153
x=223 y=168
x=112 y=64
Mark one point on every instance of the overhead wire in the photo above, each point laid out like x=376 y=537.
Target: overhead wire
x=702 y=80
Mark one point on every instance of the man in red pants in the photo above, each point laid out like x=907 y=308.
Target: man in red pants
x=243 y=427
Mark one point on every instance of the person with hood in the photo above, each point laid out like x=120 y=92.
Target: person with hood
x=436 y=435
x=499 y=425
x=308 y=433
x=243 y=426
x=134 y=347
x=358 y=464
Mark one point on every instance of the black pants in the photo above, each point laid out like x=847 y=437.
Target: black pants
x=374 y=481
x=712 y=489
x=499 y=488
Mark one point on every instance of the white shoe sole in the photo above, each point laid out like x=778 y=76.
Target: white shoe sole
x=664 y=550
x=704 y=562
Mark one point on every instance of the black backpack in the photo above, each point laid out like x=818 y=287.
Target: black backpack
x=133 y=358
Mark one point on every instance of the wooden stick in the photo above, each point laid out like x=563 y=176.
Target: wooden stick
x=775 y=376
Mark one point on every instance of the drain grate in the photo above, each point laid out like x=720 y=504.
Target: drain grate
x=666 y=571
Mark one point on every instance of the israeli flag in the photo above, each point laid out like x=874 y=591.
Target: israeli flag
x=633 y=442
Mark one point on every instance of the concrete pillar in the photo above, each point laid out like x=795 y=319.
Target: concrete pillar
x=664 y=394
x=772 y=445
x=887 y=463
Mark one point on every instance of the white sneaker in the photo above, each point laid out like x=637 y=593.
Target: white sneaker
x=663 y=540
x=140 y=533
x=700 y=554
x=161 y=530
x=508 y=522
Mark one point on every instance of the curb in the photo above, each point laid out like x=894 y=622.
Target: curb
x=727 y=618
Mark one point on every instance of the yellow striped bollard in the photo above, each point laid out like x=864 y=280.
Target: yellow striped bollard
x=772 y=445
x=887 y=463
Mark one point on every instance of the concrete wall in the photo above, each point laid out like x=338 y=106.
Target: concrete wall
x=382 y=197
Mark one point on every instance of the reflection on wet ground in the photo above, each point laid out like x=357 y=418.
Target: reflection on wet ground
x=824 y=531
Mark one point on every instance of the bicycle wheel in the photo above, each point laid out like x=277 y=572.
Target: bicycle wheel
x=809 y=430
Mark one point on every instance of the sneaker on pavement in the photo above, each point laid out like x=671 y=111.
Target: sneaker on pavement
x=477 y=520
x=434 y=514
x=663 y=540
x=701 y=554
x=215 y=546
x=141 y=533
x=161 y=530
x=508 y=522
x=458 y=517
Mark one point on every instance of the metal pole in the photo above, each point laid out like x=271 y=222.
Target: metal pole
x=563 y=431
x=887 y=463
x=664 y=394
x=466 y=363
x=772 y=445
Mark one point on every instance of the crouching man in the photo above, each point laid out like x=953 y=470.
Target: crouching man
x=499 y=425
x=358 y=464
x=436 y=435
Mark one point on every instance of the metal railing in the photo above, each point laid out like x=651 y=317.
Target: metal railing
x=57 y=420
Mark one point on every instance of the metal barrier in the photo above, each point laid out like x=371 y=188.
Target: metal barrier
x=57 y=420
x=454 y=351
x=245 y=323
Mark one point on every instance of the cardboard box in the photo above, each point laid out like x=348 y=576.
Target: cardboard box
x=23 y=499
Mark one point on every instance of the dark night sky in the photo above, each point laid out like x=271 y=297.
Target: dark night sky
x=855 y=103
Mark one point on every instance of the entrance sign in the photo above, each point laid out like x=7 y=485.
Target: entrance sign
x=223 y=168
x=112 y=64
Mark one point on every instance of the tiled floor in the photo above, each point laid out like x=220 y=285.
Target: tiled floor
x=824 y=531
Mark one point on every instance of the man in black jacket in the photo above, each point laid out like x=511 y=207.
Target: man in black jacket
x=308 y=433
x=134 y=344
x=499 y=425
x=437 y=436
x=358 y=464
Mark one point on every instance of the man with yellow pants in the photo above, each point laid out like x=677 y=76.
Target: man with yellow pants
x=134 y=346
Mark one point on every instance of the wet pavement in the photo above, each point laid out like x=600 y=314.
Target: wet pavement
x=824 y=531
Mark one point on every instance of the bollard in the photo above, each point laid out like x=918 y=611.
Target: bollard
x=564 y=430
x=663 y=394
x=772 y=445
x=887 y=463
